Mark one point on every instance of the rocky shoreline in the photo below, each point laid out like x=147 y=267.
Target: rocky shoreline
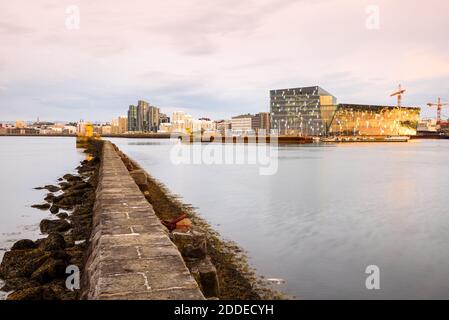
x=36 y=270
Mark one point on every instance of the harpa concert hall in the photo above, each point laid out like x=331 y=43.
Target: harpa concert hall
x=312 y=111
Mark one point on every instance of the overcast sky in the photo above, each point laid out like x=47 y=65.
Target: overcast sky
x=215 y=58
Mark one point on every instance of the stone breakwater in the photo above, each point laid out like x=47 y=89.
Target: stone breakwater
x=130 y=253
x=36 y=270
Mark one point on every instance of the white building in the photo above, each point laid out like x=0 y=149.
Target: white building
x=165 y=127
x=242 y=124
x=70 y=129
x=427 y=125
x=182 y=122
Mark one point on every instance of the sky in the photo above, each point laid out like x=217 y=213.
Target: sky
x=72 y=60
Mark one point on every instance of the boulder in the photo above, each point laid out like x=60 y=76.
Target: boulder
x=69 y=240
x=32 y=293
x=50 y=270
x=139 y=177
x=191 y=244
x=43 y=206
x=17 y=284
x=76 y=255
x=53 y=242
x=22 y=263
x=65 y=185
x=62 y=215
x=49 y=197
x=54 y=209
x=57 y=290
x=48 y=226
x=81 y=186
x=24 y=245
x=71 y=178
x=52 y=188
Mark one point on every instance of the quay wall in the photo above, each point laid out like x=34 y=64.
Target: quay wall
x=130 y=253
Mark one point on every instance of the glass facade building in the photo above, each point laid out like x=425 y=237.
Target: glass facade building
x=312 y=111
x=132 y=118
x=306 y=111
x=372 y=120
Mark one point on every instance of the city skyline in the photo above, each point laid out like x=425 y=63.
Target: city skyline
x=216 y=59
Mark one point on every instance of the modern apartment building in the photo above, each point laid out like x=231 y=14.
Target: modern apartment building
x=142 y=116
x=132 y=118
x=153 y=119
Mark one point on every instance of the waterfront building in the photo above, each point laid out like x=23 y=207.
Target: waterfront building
x=24 y=131
x=153 y=119
x=142 y=116
x=261 y=122
x=182 y=122
x=20 y=124
x=428 y=126
x=114 y=126
x=178 y=116
x=69 y=129
x=105 y=130
x=312 y=111
x=132 y=118
x=223 y=126
x=207 y=125
x=374 y=120
x=242 y=124
x=81 y=127
x=163 y=118
x=122 y=124
x=165 y=127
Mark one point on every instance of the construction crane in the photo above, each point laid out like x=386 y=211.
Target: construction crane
x=439 y=106
x=399 y=94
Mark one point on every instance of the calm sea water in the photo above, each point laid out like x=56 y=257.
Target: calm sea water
x=328 y=213
x=25 y=163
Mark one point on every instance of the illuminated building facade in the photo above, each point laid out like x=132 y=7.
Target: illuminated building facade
x=369 y=120
x=312 y=111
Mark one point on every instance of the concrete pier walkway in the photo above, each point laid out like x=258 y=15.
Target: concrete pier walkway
x=131 y=255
